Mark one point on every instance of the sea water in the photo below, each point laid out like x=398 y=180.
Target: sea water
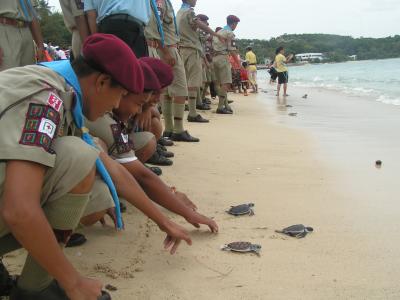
x=375 y=79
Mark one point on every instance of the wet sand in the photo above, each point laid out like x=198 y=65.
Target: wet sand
x=287 y=167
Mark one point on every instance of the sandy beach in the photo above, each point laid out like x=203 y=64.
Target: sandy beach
x=294 y=170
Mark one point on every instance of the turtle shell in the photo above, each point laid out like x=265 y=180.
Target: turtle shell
x=240 y=246
x=298 y=230
x=242 y=209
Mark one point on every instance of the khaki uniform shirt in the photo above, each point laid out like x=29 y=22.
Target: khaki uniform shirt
x=167 y=17
x=35 y=108
x=13 y=10
x=70 y=10
x=228 y=46
x=188 y=29
x=151 y=29
x=116 y=135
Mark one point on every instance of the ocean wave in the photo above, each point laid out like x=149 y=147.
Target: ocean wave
x=388 y=100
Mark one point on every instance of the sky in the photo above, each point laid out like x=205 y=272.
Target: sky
x=263 y=19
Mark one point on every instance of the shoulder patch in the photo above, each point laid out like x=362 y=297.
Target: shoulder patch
x=40 y=126
x=54 y=101
x=121 y=140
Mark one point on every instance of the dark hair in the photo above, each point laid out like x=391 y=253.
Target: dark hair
x=249 y=48
x=279 y=49
x=83 y=68
x=245 y=64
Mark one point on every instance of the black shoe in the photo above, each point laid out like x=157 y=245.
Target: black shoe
x=203 y=106
x=186 y=107
x=230 y=101
x=165 y=142
x=184 y=137
x=76 y=239
x=155 y=170
x=159 y=160
x=197 y=119
x=163 y=152
x=167 y=134
x=7 y=282
x=223 y=111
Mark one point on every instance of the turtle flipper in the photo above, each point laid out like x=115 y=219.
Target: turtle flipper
x=301 y=234
x=251 y=212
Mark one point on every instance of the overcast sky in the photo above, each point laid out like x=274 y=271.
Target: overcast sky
x=264 y=19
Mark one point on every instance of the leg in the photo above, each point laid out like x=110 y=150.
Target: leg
x=156 y=128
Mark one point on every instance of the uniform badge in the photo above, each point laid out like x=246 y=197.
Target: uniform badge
x=40 y=126
x=54 y=101
x=122 y=143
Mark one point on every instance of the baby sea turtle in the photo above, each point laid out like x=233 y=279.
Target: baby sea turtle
x=243 y=209
x=293 y=114
x=305 y=96
x=298 y=231
x=242 y=247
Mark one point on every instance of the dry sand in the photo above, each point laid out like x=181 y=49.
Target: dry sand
x=249 y=157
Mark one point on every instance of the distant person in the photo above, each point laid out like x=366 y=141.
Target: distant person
x=251 y=60
x=61 y=53
x=244 y=77
x=281 y=68
x=236 y=66
x=19 y=27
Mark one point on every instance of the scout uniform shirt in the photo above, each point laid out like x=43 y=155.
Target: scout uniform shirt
x=116 y=135
x=71 y=9
x=35 y=109
x=188 y=29
x=151 y=30
x=229 y=45
x=280 y=61
x=22 y=10
x=169 y=22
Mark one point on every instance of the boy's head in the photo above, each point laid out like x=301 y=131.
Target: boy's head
x=232 y=21
x=244 y=64
x=280 y=50
x=107 y=70
x=192 y=3
x=203 y=18
x=249 y=49
x=164 y=74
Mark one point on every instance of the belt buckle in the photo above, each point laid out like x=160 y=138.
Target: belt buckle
x=20 y=23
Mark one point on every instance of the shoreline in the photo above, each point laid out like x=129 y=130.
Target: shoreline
x=259 y=155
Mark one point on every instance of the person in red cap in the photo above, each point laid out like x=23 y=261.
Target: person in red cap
x=222 y=67
x=46 y=174
x=116 y=131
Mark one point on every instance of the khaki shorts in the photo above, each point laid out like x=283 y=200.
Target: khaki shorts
x=222 y=69
x=100 y=198
x=178 y=88
x=17 y=46
x=193 y=67
x=141 y=139
x=69 y=170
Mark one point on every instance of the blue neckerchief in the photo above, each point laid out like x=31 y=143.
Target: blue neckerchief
x=185 y=6
x=159 y=23
x=175 y=23
x=227 y=27
x=64 y=69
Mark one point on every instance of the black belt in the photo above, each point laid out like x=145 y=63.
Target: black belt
x=124 y=17
x=252 y=64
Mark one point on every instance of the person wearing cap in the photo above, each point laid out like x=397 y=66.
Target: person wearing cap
x=251 y=60
x=191 y=51
x=19 y=27
x=206 y=41
x=76 y=23
x=116 y=132
x=222 y=66
x=124 y=18
x=45 y=185
x=174 y=98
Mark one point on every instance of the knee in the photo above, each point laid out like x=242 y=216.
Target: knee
x=85 y=186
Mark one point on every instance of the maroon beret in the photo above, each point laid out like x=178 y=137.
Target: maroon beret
x=202 y=17
x=232 y=19
x=151 y=82
x=162 y=70
x=110 y=55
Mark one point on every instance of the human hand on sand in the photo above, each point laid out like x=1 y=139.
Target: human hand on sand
x=84 y=289
x=175 y=234
x=184 y=198
x=197 y=219
x=113 y=215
